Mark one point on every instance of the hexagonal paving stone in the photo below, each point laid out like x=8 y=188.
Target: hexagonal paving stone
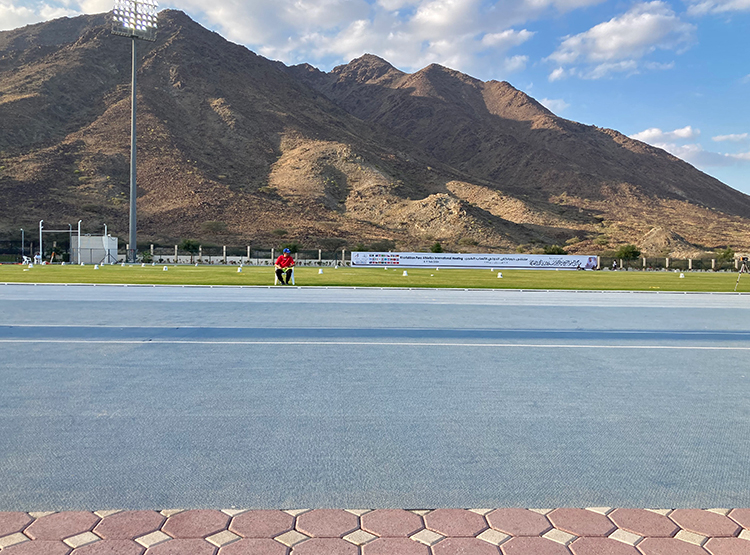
x=392 y=523
x=455 y=522
x=110 y=547
x=705 y=523
x=39 y=547
x=182 y=547
x=727 y=546
x=327 y=523
x=741 y=517
x=669 y=546
x=644 y=523
x=393 y=546
x=59 y=526
x=463 y=546
x=581 y=522
x=325 y=546
x=261 y=524
x=129 y=525
x=195 y=524
x=519 y=522
x=254 y=546
x=532 y=546
x=11 y=523
x=601 y=546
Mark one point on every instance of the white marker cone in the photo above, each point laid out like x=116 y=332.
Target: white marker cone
x=165 y=268
x=153 y=263
x=122 y=265
x=82 y=264
x=335 y=267
x=143 y=265
x=682 y=276
x=96 y=266
x=492 y=270
x=500 y=274
x=437 y=269
x=405 y=274
x=320 y=270
x=239 y=270
x=31 y=265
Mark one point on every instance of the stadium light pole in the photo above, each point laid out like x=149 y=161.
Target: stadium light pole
x=135 y=19
x=23 y=242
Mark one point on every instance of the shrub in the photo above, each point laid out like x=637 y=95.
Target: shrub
x=554 y=249
x=627 y=252
x=437 y=247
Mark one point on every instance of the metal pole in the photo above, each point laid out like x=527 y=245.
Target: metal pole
x=23 y=242
x=132 y=248
x=41 y=254
x=78 y=255
x=70 y=243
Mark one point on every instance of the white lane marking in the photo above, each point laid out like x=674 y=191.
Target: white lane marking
x=374 y=344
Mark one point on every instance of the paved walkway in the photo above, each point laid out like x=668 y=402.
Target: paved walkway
x=592 y=531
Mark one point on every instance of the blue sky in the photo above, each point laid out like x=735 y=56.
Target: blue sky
x=675 y=74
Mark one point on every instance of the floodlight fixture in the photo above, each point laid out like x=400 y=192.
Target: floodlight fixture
x=135 y=19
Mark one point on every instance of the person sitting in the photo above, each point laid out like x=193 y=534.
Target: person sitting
x=284 y=265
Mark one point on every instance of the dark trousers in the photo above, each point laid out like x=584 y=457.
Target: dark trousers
x=280 y=274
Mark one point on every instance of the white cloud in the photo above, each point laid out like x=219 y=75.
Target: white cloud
x=675 y=143
x=557 y=74
x=736 y=138
x=704 y=7
x=656 y=135
x=556 y=105
x=615 y=45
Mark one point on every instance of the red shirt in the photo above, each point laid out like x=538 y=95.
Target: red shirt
x=285 y=261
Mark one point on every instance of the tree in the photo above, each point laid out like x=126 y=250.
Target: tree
x=725 y=255
x=189 y=245
x=628 y=252
x=293 y=247
x=437 y=247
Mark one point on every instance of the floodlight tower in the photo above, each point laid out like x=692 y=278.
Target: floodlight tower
x=135 y=19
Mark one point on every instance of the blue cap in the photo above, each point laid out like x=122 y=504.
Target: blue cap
x=287 y=251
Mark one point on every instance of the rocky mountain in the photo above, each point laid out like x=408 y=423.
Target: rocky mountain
x=234 y=148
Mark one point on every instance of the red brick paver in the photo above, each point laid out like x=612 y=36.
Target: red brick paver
x=254 y=546
x=395 y=546
x=464 y=546
x=533 y=546
x=59 y=526
x=327 y=523
x=325 y=546
x=601 y=546
x=182 y=547
x=39 y=547
x=644 y=523
x=669 y=546
x=705 y=523
x=195 y=524
x=11 y=523
x=727 y=546
x=455 y=522
x=129 y=525
x=110 y=547
x=394 y=523
x=741 y=517
x=581 y=522
x=518 y=522
x=261 y=524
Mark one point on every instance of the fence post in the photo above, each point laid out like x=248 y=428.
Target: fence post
x=666 y=266
x=175 y=254
x=320 y=256
x=272 y=250
x=248 y=254
x=690 y=263
x=225 y=254
x=644 y=262
x=713 y=264
x=736 y=263
x=343 y=257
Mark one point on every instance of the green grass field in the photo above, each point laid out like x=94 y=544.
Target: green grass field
x=379 y=277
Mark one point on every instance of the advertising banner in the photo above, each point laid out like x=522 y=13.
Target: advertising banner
x=474 y=260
